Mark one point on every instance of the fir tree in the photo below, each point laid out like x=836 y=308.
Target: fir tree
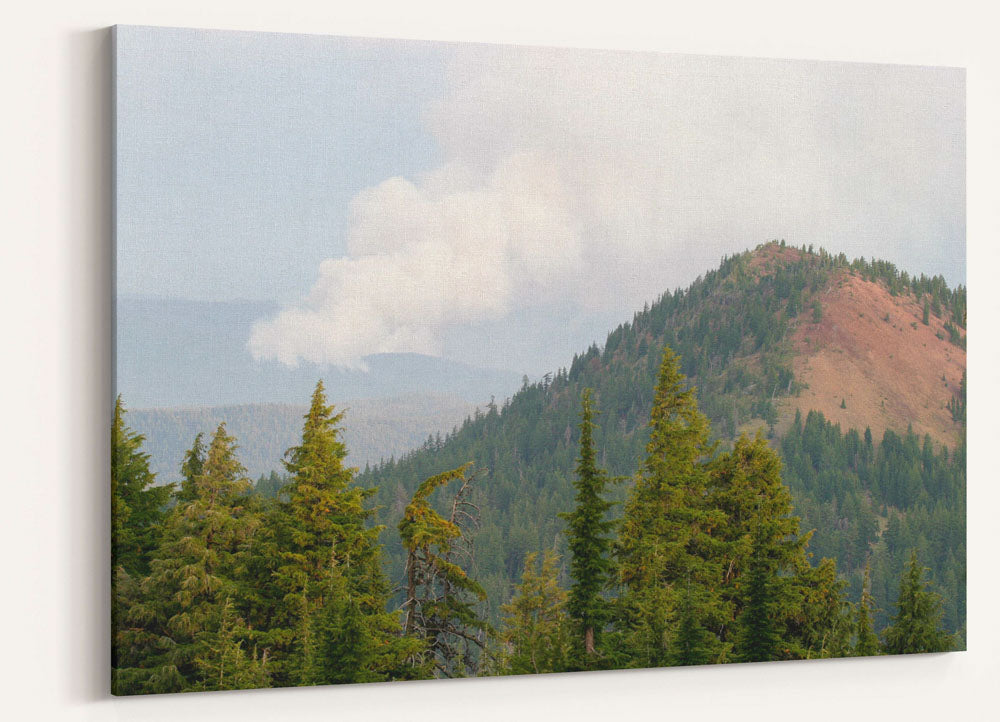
x=180 y=611
x=442 y=599
x=535 y=631
x=759 y=638
x=692 y=643
x=588 y=533
x=665 y=534
x=191 y=468
x=138 y=506
x=916 y=626
x=137 y=513
x=746 y=485
x=323 y=562
x=866 y=644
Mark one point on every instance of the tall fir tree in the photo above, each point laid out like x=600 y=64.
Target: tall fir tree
x=759 y=530
x=443 y=602
x=589 y=538
x=665 y=537
x=138 y=505
x=323 y=567
x=180 y=614
x=138 y=508
x=758 y=637
x=916 y=626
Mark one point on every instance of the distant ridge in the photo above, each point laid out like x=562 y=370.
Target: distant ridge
x=373 y=429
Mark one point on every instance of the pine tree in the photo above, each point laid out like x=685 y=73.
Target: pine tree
x=442 y=599
x=692 y=643
x=759 y=638
x=535 y=631
x=916 y=626
x=321 y=561
x=138 y=507
x=180 y=609
x=665 y=536
x=759 y=531
x=191 y=468
x=588 y=533
x=866 y=644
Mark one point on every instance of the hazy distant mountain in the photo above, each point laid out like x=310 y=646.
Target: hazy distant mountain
x=373 y=429
x=173 y=352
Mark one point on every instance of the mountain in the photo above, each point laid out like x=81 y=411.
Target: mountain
x=159 y=341
x=374 y=429
x=802 y=346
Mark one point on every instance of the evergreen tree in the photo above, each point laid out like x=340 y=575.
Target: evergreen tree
x=588 y=533
x=191 y=469
x=224 y=662
x=442 y=600
x=322 y=564
x=866 y=644
x=138 y=506
x=535 y=631
x=916 y=626
x=180 y=610
x=137 y=513
x=759 y=638
x=665 y=534
x=692 y=643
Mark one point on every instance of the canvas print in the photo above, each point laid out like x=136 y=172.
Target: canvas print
x=441 y=360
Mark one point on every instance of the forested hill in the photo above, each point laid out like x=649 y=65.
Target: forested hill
x=760 y=337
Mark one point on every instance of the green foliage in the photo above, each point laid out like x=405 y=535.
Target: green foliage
x=589 y=538
x=758 y=637
x=665 y=533
x=179 y=614
x=137 y=504
x=873 y=502
x=323 y=579
x=191 y=469
x=866 y=643
x=442 y=599
x=536 y=628
x=224 y=663
x=916 y=626
x=956 y=404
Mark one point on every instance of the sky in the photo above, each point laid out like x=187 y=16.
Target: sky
x=503 y=205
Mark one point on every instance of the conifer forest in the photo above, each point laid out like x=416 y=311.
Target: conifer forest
x=691 y=492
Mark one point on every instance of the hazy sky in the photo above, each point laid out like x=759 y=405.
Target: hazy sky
x=488 y=202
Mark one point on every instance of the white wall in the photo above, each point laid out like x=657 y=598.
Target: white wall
x=55 y=283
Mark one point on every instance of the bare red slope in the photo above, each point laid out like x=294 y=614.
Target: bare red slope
x=872 y=351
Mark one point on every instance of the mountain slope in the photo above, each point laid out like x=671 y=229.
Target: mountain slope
x=872 y=351
x=740 y=331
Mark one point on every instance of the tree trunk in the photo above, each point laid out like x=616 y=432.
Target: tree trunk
x=588 y=640
x=411 y=591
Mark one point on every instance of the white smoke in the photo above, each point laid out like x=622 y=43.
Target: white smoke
x=606 y=178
